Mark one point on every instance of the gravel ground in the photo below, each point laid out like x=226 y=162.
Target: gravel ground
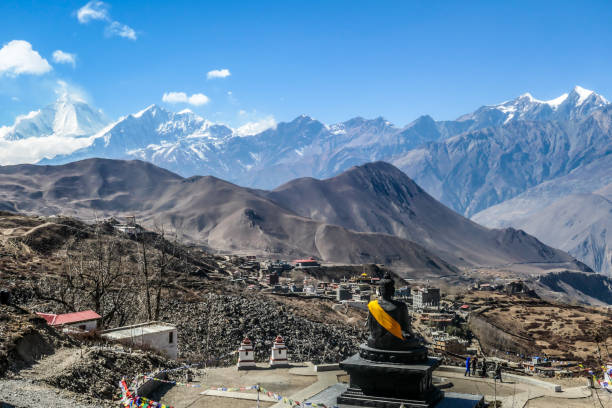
x=28 y=394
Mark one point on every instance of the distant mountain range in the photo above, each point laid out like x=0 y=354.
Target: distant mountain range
x=376 y=215
x=498 y=164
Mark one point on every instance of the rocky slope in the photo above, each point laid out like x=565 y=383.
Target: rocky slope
x=378 y=197
x=573 y=213
x=575 y=287
x=214 y=327
x=25 y=337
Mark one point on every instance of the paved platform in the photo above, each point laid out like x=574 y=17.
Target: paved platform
x=238 y=395
x=457 y=400
x=329 y=395
x=325 y=379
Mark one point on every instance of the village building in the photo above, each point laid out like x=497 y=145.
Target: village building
x=463 y=311
x=364 y=296
x=452 y=345
x=403 y=293
x=85 y=320
x=437 y=320
x=425 y=298
x=278 y=355
x=157 y=335
x=538 y=365
x=130 y=227
x=306 y=263
x=273 y=279
x=515 y=287
x=277 y=267
x=343 y=293
x=246 y=355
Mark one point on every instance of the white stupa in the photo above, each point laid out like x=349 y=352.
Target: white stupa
x=278 y=358
x=246 y=355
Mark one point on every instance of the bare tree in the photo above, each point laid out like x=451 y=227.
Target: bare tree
x=96 y=275
x=145 y=274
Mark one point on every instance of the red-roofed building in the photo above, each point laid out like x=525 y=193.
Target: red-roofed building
x=85 y=320
x=306 y=263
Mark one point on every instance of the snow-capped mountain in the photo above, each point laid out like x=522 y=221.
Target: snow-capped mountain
x=477 y=161
x=154 y=127
x=66 y=117
x=575 y=105
x=435 y=153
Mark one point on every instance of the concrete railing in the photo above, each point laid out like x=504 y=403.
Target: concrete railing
x=534 y=381
x=519 y=378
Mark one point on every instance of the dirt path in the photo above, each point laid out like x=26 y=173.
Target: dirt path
x=53 y=364
x=29 y=389
x=29 y=394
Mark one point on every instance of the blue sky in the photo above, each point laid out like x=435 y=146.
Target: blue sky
x=332 y=60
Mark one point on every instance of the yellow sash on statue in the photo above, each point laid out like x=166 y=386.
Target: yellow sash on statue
x=385 y=320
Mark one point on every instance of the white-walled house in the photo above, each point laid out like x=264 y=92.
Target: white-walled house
x=158 y=335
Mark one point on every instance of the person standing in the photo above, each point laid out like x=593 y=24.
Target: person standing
x=498 y=371
x=467 y=367
x=483 y=372
x=474 y=365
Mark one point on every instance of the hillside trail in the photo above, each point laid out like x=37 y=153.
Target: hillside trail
x=28 y=389
x=52 y=364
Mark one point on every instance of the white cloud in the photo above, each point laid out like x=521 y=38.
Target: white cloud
x=120 y=30
x=252 y=128
x=198 y=99
x=34 y=149
x=62 y=57
x=181 y=97
x=7 y=130
x=99 y=10
x=94 y=10
x=175 y=97
x=218 y=73
x=17 y=57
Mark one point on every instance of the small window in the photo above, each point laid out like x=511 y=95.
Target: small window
x=171 y=337
x=82 y=327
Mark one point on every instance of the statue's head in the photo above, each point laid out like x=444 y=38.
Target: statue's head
x=387 y=287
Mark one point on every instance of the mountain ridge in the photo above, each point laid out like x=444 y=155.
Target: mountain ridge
x=224 y=216
x=494 y=155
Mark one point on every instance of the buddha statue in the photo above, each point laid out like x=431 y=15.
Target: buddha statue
x=392 y=368
x=389 y=325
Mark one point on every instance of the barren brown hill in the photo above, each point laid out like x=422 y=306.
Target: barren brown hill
x=531 y=326
x=379 y=198
x=204 y=210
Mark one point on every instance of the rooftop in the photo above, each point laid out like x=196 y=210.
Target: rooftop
x=68 y=318
x=138 y=330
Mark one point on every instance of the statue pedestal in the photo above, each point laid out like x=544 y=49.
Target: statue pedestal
x=386 y=384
